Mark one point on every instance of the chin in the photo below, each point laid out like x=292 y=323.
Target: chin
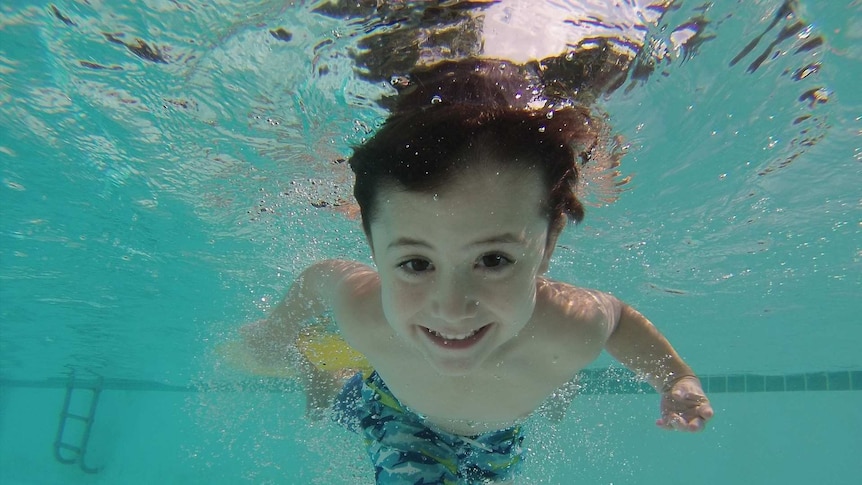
x=452 y=368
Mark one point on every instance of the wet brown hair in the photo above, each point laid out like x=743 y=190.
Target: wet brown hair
x=456 y=108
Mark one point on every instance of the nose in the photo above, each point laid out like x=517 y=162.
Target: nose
x=453 y=299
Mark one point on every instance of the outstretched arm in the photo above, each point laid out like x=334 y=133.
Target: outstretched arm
x=272 y=341
x=638 y=345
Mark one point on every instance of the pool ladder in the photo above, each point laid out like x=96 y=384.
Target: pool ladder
x=76 y=453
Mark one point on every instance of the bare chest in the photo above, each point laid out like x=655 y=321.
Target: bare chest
x=498 y=396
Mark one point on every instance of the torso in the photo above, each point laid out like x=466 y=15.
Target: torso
x=567 y=332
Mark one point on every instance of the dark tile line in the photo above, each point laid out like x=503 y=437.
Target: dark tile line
x=622 y=382
x=591 y=381
x=809 y=381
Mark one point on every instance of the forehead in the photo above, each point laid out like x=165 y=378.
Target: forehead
x=487 y=198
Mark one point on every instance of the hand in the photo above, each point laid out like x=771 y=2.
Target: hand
x=263 y=346
x=274 y=359
x=684 y=406
x=321 y=389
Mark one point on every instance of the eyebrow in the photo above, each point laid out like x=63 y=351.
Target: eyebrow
x=406 y=241
x=507 y=238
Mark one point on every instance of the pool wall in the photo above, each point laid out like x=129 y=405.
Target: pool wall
x=149 y=433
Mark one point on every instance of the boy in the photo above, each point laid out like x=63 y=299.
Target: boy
x=463 y=193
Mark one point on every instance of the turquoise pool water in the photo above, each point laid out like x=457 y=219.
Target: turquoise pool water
x=161 y=167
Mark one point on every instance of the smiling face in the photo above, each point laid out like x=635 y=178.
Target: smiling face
x=458 y=268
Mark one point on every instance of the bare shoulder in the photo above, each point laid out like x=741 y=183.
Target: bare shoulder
x=338 y=280
x=581 y=313
x=356 y=303
x=331 y=271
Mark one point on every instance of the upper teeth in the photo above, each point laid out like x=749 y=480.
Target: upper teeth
x=448 y=336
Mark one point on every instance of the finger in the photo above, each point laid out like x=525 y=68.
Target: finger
x=664 y=424
x=703 y=411
x=672 y=421
x=706 y=411
x=679 y=424
x=695 y=419
x=700 y=416
x=689 y=397
x=695 y=425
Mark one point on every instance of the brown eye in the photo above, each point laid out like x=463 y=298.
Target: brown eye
x=494 y=260
x=416 y=265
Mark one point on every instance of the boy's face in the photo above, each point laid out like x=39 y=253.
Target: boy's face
x=458 y=269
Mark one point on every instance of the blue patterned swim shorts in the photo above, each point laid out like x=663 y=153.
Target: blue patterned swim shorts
x=405 y=450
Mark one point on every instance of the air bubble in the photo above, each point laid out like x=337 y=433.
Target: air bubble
x=436 y=99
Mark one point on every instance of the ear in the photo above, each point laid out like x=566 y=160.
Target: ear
x=371 y=247
x=554 y=230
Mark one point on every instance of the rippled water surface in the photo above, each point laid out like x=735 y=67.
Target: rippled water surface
x=162 y=164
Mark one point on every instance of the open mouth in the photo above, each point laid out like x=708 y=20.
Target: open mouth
x=456 y=341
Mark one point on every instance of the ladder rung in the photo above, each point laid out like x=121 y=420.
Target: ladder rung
x=66 y=446
x=86 y=419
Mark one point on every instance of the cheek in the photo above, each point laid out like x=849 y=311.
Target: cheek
x=401 y=301
x=514 y=298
